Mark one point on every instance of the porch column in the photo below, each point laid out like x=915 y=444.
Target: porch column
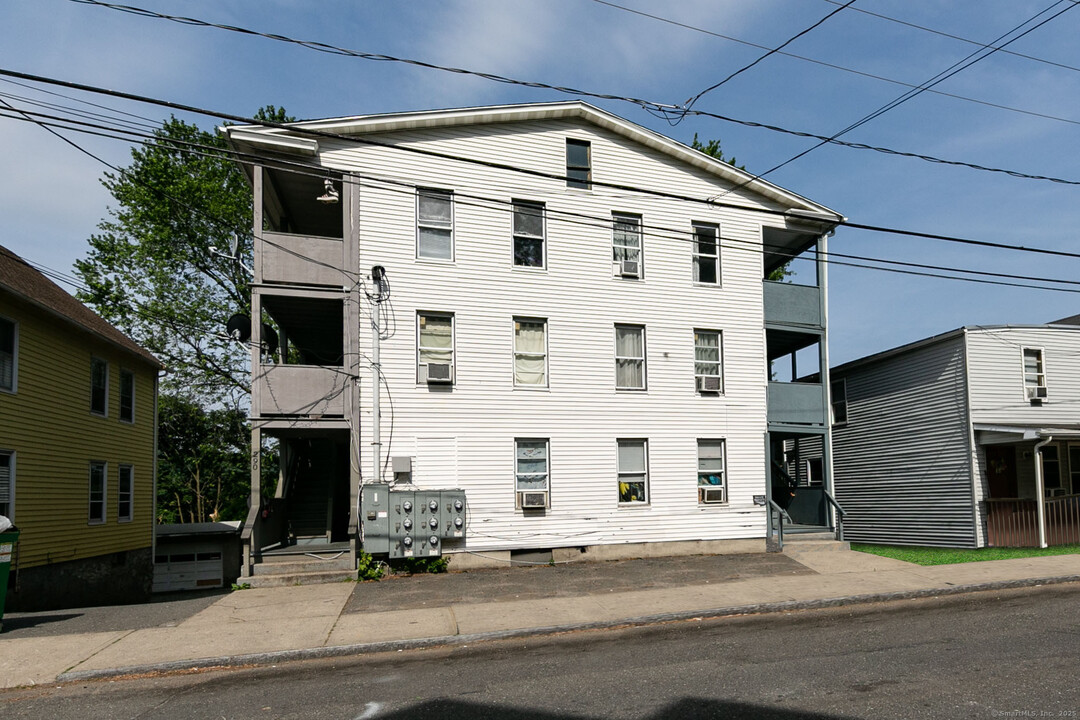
x=1040 y=490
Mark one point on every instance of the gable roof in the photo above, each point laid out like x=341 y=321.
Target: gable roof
x=282 y=140
x=18 y=278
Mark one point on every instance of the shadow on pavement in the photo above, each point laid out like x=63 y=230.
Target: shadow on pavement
x=22 y=622
x=687 y=709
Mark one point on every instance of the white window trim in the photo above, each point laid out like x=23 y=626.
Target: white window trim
x=14 y=359
x=105 y=412
x=547 y=468
x=542 y=206
x=716 y=257
x=619 y=473
x=644 y=358
x=11 y=483
x=589 y=182
x=720 y=361
x=453 y=344
x=515 y=353
x=842 y=384
x=1023 y=368
x=120 y=492
x=723 y=476
x=616 y=216
x=120 y=412
x=104 y=492
x=437 y=226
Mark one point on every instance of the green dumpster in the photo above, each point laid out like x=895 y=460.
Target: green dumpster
x=8 y=541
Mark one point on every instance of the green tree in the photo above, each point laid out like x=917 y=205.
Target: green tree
x=151 y=271
x=712 y=147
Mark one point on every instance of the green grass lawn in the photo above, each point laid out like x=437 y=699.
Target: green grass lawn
x=948 y=556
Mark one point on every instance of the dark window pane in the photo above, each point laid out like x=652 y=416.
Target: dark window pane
x=529 y=252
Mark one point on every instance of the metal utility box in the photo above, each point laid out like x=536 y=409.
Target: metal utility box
x=429 y=523
x=452 y=521
x=375 y=515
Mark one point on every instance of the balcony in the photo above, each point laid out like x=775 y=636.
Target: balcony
x=790 y=304
x=301 y=260
x=796 y=403
x=298 y=390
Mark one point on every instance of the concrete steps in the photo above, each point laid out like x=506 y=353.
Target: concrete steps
x=284 y=570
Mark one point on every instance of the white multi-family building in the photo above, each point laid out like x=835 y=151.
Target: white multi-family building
x=575 y=329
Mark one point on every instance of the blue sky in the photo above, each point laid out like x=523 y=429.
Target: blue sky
x=51 y=198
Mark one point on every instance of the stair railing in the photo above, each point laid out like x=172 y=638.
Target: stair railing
x=840 y=515
x=780 y=513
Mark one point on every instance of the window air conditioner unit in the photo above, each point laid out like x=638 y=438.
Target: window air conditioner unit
x=708 y=383
x=1055 y=492
x=531 y=499
x=630 y=268
x=1037 y=393
x=712 y=495
x=439 y=373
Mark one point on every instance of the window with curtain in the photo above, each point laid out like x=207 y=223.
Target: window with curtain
x=706 y=253
x=633 y=471
x=8 y=335
x=530 y=352
x=435 y=341
x=528 y=234
x=531 y=464
x=708 y=365
x=124 y=491
x=1034 y=374
x=99 y=386
x=630 y=357
x=434 y=224
x=711 y=472
x=626 y=237
x=97 y=493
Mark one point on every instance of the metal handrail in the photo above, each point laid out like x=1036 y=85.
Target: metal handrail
x=840 y=514
x=781 y=513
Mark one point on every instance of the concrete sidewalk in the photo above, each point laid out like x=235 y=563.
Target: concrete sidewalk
x=279 y=624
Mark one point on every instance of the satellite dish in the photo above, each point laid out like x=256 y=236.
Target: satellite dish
x=269 y=338
x=234 y=244
x=239 y=327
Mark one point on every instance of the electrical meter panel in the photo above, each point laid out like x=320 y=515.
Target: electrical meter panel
x=453 y=513
x=410 y=523
x=375 y=516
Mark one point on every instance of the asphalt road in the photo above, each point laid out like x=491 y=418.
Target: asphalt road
x=989 y=655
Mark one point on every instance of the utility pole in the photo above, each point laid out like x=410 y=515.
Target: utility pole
x=378 y=275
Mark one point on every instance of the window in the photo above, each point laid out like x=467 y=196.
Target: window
x=708 y=365
x=706 y=253
x=127 y=396
x=1034 y=374
x=530 y=352
x=435 y=224
x=99 y=386
x=7 y=484
x=531 y=473
x=626 y=243
x=9 y=343
x=711 y=475
x=633 y=471
x=97 y=493
x=629 y=357
x=435 y=348
x=124 y=491
x=578 y=164
x=838 y=391
x=528 y=234
x=1051 y=469
x=1074 y=468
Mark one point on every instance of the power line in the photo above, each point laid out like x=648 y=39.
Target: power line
x=835 y=66
x=535 y=173
x=665 y=110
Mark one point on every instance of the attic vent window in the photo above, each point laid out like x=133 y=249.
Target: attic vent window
x=578 y=164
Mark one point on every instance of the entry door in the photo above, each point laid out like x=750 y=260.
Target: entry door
x=1001 y=470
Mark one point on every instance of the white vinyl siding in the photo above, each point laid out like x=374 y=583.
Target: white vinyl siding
x=9 y=355
x=434 y=224
x=99 y=386
x=98 y=483
x=630 y=357
x=706 y=253
x=528 y=219
x=708 y=361
x=7 y=484
x=530 y=352
x=633 y=463
x=125 y=489
x=434 y=342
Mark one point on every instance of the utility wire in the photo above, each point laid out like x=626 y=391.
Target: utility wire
x=665 y=110
x=834 y=66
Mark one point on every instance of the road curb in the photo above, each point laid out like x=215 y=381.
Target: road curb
x=279 y=656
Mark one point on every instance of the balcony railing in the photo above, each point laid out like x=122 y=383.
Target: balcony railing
x=790 y=304
x=1014 y=522
x=299 y=390
x=796 y=403
x=301 y=260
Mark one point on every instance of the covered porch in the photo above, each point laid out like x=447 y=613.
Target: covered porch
x=1031 y=485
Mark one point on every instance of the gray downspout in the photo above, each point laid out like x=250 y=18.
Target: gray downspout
x=1040 y=489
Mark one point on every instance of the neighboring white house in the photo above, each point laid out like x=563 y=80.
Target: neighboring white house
x=588 y=361
x=968 y=439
